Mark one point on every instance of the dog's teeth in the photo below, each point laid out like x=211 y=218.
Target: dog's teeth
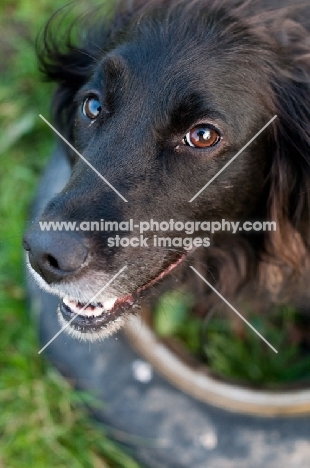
x=109 y=303
x=93 y=310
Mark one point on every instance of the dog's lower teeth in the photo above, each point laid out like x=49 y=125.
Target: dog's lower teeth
x=78 y=308
x=92 y=310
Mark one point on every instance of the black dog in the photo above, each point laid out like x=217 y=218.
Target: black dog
x=158 y=99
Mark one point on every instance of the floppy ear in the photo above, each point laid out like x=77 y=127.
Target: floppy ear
x=68 y=53
x=67 y=64
x=289 y=200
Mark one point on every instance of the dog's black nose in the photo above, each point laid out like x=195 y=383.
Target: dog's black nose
x=54 y=255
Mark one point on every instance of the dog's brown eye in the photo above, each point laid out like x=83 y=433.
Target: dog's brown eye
x=91 y=108
x=202 y=136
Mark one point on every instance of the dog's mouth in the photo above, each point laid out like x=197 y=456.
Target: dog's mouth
x=95 y=320
x=92 y=317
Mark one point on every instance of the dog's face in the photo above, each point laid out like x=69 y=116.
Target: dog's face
x=158 y=116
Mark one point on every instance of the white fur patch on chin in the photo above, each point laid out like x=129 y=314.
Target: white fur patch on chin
x=92 y=335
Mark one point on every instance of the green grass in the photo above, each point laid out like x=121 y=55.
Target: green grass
x=42 y=421
x=246 y=359
x=237 y=353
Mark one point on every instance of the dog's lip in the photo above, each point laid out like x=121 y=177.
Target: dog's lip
x=161 y=275
x=93 y=316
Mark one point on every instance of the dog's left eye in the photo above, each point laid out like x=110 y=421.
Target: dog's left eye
x=92 y=108
x=202 y=136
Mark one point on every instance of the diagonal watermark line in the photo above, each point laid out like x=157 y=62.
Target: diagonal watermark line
x=84 y=159
x=73 y=318
x=235 y=157
x=235 y=310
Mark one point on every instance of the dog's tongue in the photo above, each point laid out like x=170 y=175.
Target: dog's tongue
x=90 y=310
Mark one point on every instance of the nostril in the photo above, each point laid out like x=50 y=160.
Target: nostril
x=51 y=261
x=55 y=255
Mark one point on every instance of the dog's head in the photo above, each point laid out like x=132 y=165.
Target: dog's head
x=158 y=100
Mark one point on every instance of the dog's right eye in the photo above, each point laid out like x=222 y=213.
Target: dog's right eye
x=202 y=136
x=92 y=107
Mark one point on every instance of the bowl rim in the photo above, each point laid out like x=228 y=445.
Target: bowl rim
x=198 y=382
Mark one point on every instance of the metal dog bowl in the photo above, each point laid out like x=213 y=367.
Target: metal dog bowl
x=194 y=379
